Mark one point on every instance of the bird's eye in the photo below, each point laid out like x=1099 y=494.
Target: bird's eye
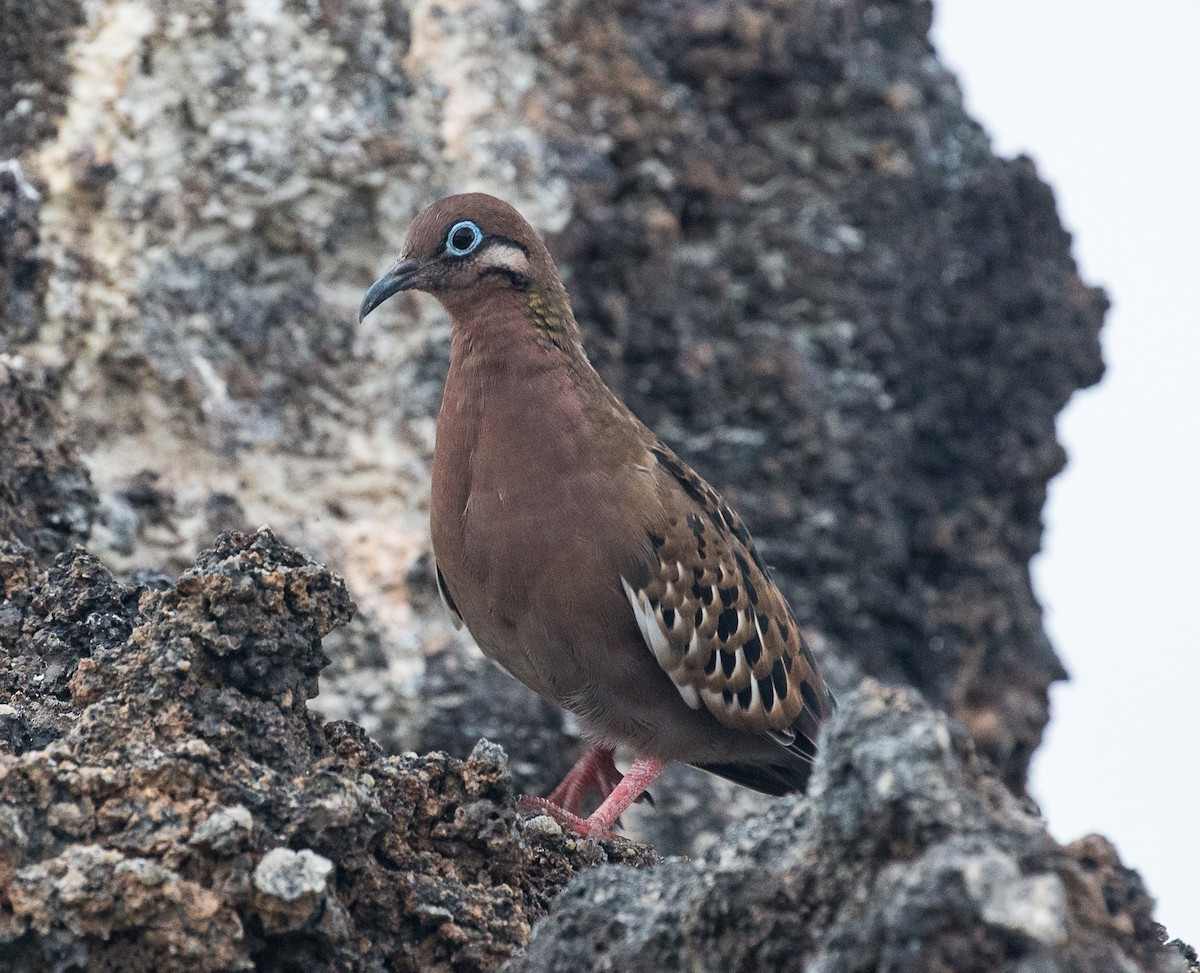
x=463 y=238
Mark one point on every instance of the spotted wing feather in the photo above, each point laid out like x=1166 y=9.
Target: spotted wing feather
x=716 y=623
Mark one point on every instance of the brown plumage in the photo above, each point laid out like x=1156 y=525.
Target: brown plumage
x=584 y=556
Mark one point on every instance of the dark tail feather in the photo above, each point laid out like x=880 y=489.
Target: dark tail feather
x=773 y=779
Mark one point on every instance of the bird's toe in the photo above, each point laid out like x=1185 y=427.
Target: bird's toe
x=585 y=828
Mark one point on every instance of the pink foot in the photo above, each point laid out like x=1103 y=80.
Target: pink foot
x=622 y=795
x=568 y=820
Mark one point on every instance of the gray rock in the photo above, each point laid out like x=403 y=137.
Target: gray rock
x=288 y=874
x=908 y=856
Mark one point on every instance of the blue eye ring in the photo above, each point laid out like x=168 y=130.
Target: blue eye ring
x=456 y=230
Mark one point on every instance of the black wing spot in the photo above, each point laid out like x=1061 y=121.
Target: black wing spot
x=697 y=621
x=767 y=691
x=668 y=617
x=780 y=679
x=728 y=662
x=764 y=626
x=753 y=650
x=727 y=696
x=710 y=666
x=697 y=573
x=728 y=596
x=751 y=591
x=706 y=596
x=727 y=624
x=745 y=697
x=657 y=540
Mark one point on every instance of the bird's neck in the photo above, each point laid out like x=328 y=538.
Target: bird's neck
x=510 y=333
x=519 y=380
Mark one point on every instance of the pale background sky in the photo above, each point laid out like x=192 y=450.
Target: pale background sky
x=1105 y=96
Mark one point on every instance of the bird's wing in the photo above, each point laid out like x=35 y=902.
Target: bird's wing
x=716 y=623
x=448 y=601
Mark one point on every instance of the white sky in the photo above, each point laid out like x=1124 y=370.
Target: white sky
x=1105 y=96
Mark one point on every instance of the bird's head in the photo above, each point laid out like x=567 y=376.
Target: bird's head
x=463 y=249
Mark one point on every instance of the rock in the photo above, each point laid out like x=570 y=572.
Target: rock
x=35 y=75
x=46 y=496
x=168 y=803
x=142 y=909
x=19 y=266
x=909 y=856
x=288 y=874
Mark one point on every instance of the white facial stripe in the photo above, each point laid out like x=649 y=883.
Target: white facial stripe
x=506 y=257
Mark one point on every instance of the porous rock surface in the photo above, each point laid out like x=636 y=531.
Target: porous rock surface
x=168 y=803
x=907 y=858
x=46 y=496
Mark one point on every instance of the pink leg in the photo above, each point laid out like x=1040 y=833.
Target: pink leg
x=641 y=775
x=595 y=770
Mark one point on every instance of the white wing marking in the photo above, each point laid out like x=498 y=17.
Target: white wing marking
x=651 y=626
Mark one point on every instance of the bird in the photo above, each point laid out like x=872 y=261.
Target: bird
x=583 y=555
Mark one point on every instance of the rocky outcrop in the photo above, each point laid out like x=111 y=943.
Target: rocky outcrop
x=46 y=496
x=168 y=803
x=907 y=856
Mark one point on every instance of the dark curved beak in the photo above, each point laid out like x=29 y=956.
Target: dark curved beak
x=401 y=277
